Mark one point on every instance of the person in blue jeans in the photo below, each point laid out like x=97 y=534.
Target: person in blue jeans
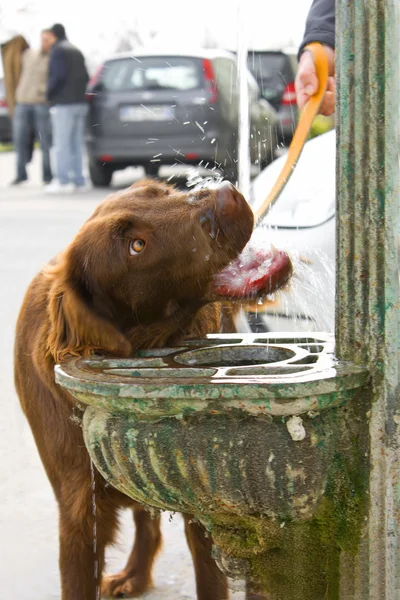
x=31 y=116
x=66 y=90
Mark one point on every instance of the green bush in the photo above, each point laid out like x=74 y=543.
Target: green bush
x=321 y=125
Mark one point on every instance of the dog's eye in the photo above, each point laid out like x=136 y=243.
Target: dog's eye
x=136 y=246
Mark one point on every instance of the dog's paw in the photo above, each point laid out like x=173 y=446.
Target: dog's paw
x=125 y=586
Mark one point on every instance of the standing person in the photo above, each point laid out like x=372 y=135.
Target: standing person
x=12 y=49
x=66 y=88
x=320 y=27
x=31 y=111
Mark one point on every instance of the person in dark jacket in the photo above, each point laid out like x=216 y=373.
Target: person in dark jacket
x=320 y=27
x=66 y=89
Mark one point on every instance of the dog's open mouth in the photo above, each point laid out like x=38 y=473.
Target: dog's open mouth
x=256 y=272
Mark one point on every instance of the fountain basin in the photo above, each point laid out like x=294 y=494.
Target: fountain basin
x=259 y=437
x=259 y=374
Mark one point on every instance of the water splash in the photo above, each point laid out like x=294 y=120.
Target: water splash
x=94 y=513
x=313 y=288
x=306 y=302
x=244 y=113
x=197 y=181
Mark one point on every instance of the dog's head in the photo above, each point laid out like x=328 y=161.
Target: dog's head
x=142 y=251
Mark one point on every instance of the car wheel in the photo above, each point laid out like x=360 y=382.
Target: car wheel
x=152 y=169
x=100 y=175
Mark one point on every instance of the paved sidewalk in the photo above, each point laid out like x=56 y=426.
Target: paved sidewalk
x=33 y=228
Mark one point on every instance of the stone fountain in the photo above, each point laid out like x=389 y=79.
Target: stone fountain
x=285 y=446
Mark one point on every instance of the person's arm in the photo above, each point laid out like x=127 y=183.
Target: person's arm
x=57 y=72
x=320 y=24
x=320 y=27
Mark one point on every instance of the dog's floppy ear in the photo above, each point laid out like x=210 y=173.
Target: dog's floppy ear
x=75 y=329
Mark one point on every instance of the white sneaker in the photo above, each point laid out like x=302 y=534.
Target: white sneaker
x=81 y=189
x=55 y=187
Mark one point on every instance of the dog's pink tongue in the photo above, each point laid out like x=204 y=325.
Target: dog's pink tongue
x=256 y=272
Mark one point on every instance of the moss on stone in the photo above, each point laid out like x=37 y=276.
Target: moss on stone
x=343 y=507
x=289 y=561
x=299 y=560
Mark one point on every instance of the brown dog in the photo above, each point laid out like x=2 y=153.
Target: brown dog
x=138 y=274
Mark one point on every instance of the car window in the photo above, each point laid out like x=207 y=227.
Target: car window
x=273 y=71
x=270 y=65
x=152 y=73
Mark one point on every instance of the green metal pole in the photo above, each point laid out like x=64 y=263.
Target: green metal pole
x=367 y=318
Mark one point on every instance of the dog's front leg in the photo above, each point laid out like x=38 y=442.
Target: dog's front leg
x=194 y=319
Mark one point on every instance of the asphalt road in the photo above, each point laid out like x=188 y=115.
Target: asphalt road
x=33 y=228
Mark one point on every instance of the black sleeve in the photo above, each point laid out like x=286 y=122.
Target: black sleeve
x=85 y=74
x=57 y=71
x=320 y=24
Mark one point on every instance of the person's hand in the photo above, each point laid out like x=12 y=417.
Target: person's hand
x=307 y=82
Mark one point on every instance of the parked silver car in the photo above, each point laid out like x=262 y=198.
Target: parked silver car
x=156 y=109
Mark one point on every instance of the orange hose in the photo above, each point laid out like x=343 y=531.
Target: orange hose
x=302 y=130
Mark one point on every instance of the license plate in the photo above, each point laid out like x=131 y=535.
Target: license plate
x=146 y=113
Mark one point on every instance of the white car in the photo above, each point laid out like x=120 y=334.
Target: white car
x=302 y=221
